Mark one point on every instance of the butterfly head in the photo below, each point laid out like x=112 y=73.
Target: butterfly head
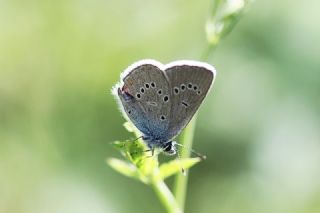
x=169 y=148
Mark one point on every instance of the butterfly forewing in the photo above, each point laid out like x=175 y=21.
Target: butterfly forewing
x=189 y=84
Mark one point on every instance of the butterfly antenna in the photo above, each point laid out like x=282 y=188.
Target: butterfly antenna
x=199 y=155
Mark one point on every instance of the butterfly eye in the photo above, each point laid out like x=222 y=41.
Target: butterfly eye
x=199 y=92
x=189 y=86
x=153 y=84
x=159 y=91
x=138 y=95
x=142 y=90
x=147 y=85
x=165 y=98
x=129 y=111
x=162 y=117
x=195 y=87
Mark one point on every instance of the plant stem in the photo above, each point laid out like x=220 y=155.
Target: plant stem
x=207 y=51
x=180 y=185
x=166 y=197
x=186 y=139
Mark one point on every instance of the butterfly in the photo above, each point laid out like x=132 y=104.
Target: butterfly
x=160 y=100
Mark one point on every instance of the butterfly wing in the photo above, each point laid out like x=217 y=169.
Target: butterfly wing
x=189 y=82
x=144 y=94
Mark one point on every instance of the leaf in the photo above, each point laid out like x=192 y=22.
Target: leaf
x=134 y=150
x=131 y=128
x=120 y=145
x=175 y=166
x=127 y=169
x=142 y=165
x=122 y=167
x=224 y=16
x=149 y=165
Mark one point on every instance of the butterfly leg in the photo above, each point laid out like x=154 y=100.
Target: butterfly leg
x=151 y=149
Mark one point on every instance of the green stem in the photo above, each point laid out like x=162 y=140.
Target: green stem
x=165 y=196
x=207 y=51
x=180 y=185
x=186 y=139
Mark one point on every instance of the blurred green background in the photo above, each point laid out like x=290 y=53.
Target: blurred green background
x=259 y=126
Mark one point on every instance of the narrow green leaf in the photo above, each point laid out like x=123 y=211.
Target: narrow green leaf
x=120 y=145
x=131 y=128
x=127 y=169
x=149 y=165
x=133 y=150
x=122 y=167
x=175 y=166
